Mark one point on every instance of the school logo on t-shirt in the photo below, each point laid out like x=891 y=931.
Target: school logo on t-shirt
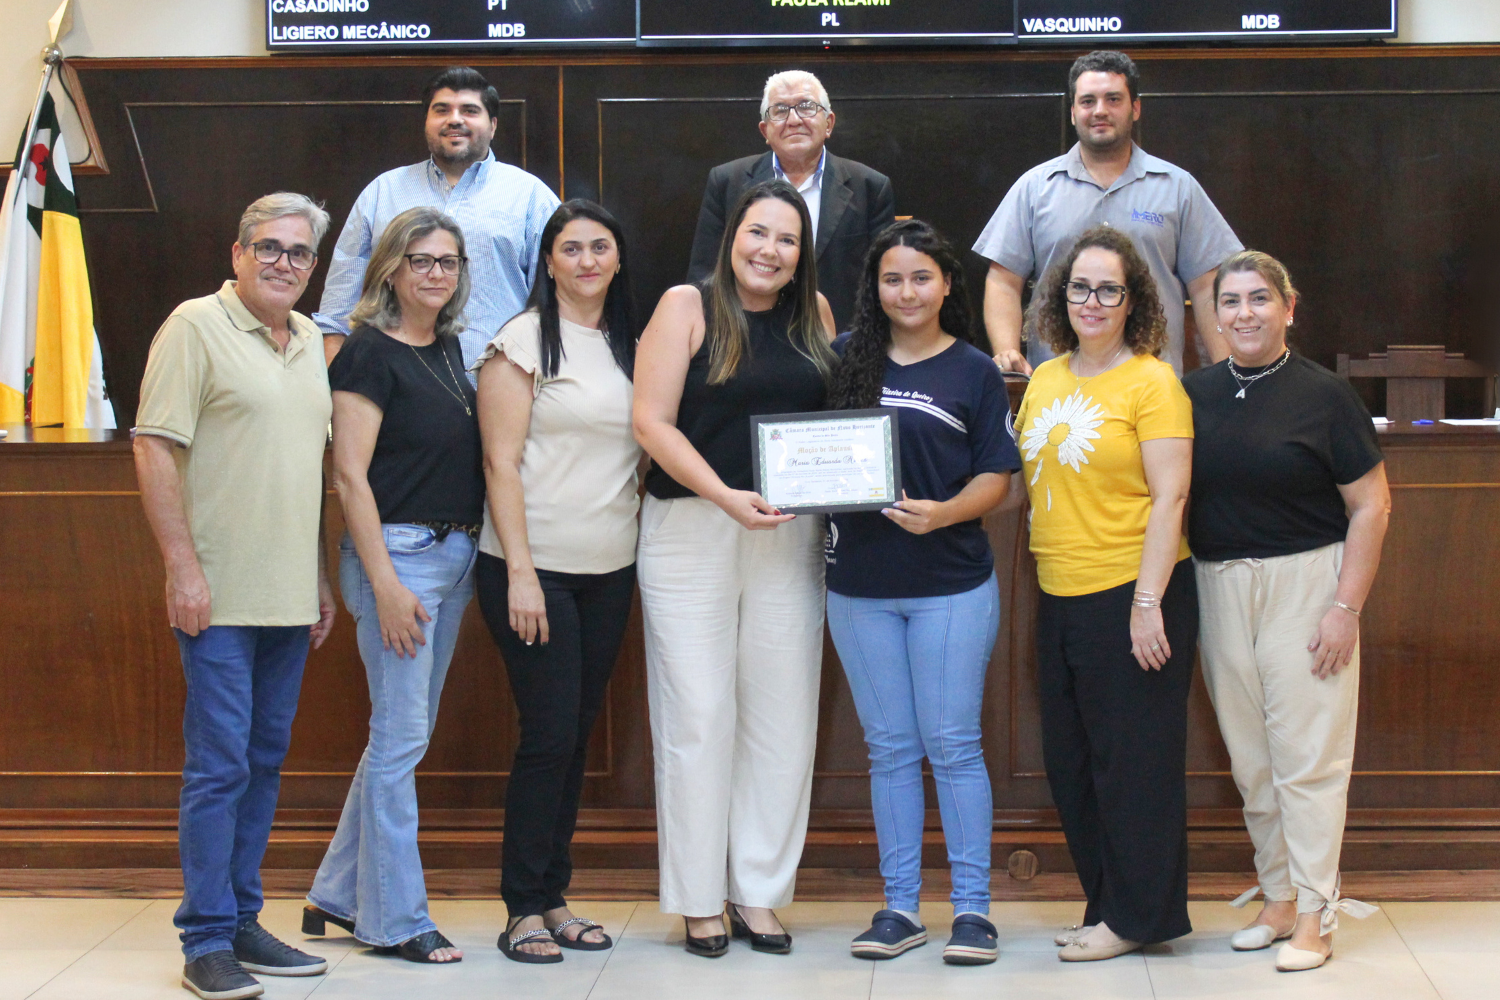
x=1068 y=426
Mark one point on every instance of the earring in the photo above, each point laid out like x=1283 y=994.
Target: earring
x=1289 y=321
x=1220 y=329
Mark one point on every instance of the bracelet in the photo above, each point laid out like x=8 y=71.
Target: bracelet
x=1145 y=599
x=1352 y=611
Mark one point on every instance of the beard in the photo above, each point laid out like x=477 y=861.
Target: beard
x=473 y=153
x=1123 y=137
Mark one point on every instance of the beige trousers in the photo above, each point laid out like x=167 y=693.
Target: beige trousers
x=1290 y=735
x=734 y=655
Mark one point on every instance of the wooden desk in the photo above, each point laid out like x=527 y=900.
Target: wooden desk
x=90 y=745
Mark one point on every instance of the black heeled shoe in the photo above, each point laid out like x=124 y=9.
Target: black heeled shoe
x=771 y=944
x=315 y=921
x=705 y=947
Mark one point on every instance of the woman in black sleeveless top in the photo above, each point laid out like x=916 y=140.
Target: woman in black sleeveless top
x=731 y=590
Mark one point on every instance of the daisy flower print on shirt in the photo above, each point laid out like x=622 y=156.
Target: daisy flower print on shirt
x=1068 y=425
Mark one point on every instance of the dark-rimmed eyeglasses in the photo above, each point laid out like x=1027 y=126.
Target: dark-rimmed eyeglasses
x=421 y=263
x=270 y=251
x=806 y=110
x=1108 y=294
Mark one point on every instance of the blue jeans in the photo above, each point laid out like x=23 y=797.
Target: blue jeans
x=372 y=873
x=916 y=667
x=242 y=687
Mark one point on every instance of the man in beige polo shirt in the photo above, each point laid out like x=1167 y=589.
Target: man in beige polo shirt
x=229 y=452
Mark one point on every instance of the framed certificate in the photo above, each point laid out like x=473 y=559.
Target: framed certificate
x=843 y=460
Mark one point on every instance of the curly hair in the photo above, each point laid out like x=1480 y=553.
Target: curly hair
x=860 y=373
x=1145 y=326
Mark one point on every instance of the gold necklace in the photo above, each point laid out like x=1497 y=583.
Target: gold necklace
x=456 y=395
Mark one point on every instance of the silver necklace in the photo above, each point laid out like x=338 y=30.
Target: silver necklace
x=456 y=395
x=1107 y=365
x=1245 y=380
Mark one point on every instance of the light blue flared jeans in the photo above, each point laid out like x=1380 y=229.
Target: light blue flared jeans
x=372 y=873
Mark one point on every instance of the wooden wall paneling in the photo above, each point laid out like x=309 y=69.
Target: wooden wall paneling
x=205 y=144
x=651 y=152
x=1404 y=171
x=650 y=128
x=1428 y=623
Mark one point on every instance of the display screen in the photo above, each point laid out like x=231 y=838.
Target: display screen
x=488 y=24
x=1240 y=20
x=469 y=24
x=825 y=22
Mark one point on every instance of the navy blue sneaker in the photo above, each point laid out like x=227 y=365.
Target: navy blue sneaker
x=219 y=976
x=889 y=935
x=258 y=950
x=973 y=941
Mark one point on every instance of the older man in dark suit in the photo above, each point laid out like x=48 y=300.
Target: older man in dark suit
x=849 y=203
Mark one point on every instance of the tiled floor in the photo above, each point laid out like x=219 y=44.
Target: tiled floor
x=85 y=949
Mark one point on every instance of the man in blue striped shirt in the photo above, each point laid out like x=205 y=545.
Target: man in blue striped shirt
x=500 y=207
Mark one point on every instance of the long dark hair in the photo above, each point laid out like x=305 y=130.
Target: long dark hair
x=861 y=371
x=1145 y=327
x=618 y=321
x=725 y=326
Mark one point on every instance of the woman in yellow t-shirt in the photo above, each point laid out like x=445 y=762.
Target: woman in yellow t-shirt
x=1106 y=438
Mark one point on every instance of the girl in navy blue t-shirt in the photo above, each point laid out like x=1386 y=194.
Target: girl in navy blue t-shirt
x=913 y=603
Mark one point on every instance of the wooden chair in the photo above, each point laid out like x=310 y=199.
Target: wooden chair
x=1415 y=379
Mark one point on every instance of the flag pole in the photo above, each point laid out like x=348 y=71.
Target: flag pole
x=52 y=57
x=59 y=24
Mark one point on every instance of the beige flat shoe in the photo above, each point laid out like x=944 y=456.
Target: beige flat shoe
x=1255 y=937
x=1289 y=959
x=1077 y=951
x=1070 y=934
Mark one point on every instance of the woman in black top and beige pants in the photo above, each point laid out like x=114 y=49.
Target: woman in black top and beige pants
x=732 y=591
x=1289 y=510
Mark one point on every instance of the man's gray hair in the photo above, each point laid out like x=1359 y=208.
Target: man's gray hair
x=278 y=206
x=793 y=78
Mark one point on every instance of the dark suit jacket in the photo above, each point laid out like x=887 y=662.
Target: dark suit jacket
x=857 y=203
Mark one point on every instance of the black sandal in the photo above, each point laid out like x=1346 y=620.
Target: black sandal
x=315 y=921
x=578 y=943
x=420 y=948
x=509 y=946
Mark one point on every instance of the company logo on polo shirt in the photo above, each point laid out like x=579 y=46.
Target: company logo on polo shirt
x=1154 y=218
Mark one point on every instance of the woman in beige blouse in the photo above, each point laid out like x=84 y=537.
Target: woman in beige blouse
x=557 y=554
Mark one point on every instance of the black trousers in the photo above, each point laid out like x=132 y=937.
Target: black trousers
x=1114 y=737
x=558 y=689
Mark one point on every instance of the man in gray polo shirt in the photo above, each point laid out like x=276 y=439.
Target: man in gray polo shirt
x=1104 y=179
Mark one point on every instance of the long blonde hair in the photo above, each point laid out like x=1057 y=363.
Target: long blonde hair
x=378 y=305
x=726 y=328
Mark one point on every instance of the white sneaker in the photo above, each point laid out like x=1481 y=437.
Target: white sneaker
x=1255 y=937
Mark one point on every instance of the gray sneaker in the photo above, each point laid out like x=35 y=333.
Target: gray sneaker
x=259 y=951
x=219 y=976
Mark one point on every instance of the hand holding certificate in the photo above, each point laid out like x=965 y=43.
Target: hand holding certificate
x=845 y=460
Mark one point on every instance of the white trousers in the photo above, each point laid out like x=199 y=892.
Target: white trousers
x=1290 y=735
x=734 y=653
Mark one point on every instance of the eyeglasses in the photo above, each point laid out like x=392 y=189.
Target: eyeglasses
x=421 y=263
x=806 y=110
x=270 y=251
x=1109 y=295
